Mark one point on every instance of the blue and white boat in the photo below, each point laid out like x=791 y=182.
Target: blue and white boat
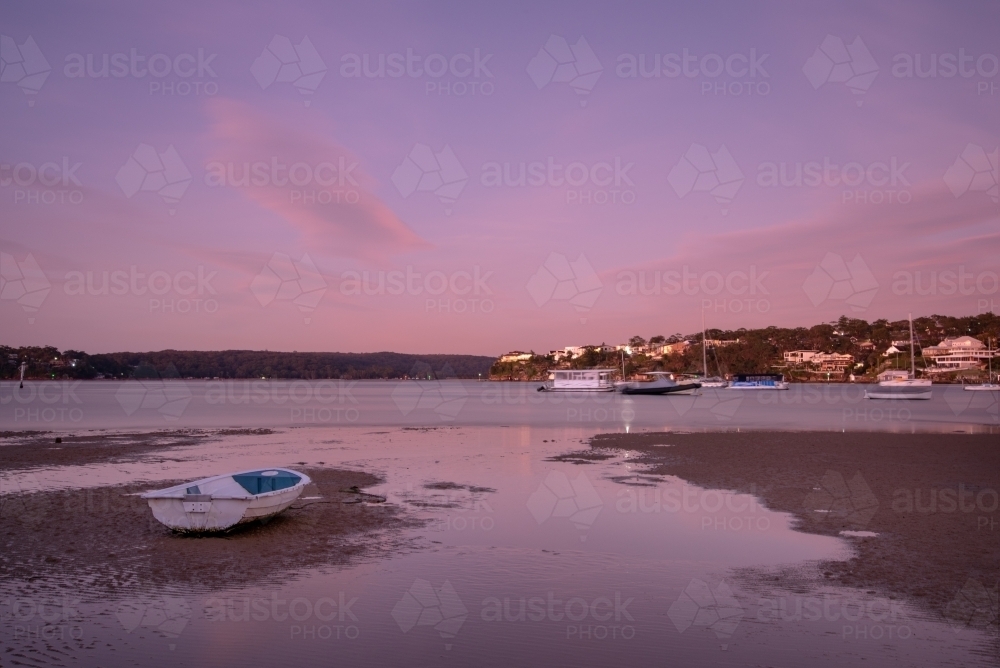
x=221 y=502
x=760 y=381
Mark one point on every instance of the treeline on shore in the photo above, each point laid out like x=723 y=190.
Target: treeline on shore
x=750 y=351
x=49 y=362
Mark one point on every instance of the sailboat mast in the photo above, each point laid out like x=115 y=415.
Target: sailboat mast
x=704 y=345
x=913 y=363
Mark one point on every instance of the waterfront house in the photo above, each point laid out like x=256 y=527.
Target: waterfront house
x=796 y=357
x=963 y=352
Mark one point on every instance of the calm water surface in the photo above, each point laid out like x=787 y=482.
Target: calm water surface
x=247 y=403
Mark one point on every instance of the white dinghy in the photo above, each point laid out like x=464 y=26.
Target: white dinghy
x=221 y=502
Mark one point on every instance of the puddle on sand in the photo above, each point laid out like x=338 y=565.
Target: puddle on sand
x=521 y=561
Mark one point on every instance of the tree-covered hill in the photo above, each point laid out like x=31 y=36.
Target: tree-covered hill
x=48 y=362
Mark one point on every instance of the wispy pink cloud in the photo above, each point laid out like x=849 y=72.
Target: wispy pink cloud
x=331 y=206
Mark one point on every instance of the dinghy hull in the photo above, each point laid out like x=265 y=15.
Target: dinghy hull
x=223 y=502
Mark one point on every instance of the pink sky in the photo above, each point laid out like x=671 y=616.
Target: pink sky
x=395 y=177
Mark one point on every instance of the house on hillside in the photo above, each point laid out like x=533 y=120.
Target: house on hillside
x=833 y=362
x=673 y=348
x=963 y=352
x=797 y=357
x=516 y=356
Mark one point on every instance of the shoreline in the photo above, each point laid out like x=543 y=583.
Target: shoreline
x=930 y=498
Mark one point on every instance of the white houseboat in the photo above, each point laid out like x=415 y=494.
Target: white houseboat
x=579 y=380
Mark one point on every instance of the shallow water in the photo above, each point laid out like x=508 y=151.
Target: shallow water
x=612 y=567
x=147 y=404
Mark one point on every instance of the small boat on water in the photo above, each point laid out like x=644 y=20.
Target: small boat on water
x=663 y=382
x=221 y=502
x=713 y=381
x=760 y=381
x=579 y=380
x=989 y=385
x=983 y=387
x=907 y=387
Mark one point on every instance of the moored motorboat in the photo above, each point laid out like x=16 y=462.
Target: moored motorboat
x=221 y=502
x=713 y=381
x=663 y=382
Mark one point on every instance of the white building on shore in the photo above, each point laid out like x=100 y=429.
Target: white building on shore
x=963 y=352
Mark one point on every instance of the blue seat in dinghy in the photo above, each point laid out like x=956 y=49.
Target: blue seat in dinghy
x=261 y=482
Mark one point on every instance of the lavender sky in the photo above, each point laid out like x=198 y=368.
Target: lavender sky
x=313 y=176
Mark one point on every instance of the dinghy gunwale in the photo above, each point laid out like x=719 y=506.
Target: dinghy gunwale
x=180 y=491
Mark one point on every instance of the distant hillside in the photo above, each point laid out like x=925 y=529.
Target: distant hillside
x=761 y=350
x=48 y=362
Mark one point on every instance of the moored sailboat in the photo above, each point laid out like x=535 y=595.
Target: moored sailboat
x=907 y=388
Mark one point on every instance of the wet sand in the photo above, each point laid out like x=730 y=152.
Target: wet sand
x=931 y=498
x=107 y=537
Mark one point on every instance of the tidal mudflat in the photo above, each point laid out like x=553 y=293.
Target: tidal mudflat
x=494 y=546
